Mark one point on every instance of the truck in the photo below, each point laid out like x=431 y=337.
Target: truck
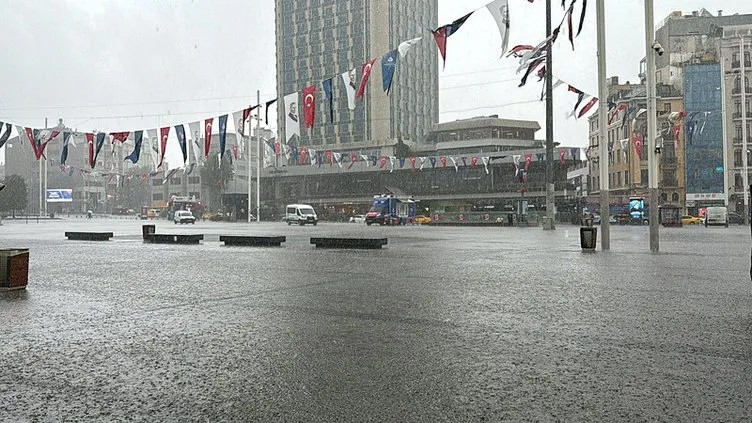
x=190 y=204
x=390 y=210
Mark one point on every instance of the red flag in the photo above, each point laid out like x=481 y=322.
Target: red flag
x=164 y=133
x=412 y=163
x=277 y=148
x=119 y=136
x=677 y=130
x=90 y=142
x=528 y=160
x=309 y=105
x=365 y=73
x=353 y=159
x=561 y=156
x=207 y=136
x=587 y=107
x=382 y=162
x=440 y=37
x=329 y=158
x=638 y=145
x=442 y=159
x=473 y=162
x=303 y=153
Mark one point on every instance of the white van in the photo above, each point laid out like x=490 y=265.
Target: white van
x=300 y=214
x=716 y=216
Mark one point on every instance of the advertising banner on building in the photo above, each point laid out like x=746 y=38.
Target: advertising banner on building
x=59 y=195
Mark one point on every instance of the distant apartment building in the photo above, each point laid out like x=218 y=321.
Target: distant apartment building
x=321 y=39
x=628 y=167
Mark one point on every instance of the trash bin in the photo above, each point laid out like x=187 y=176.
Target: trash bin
x=14 y=268
x=588 y=237
x=147 y=230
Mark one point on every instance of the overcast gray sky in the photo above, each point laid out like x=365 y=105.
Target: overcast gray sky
x=126 y=65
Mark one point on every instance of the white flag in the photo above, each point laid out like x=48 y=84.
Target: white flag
x=422 y=162
x=391 y=164
x=268 y=155
x=337 y=158
x=195 y=136
x=485 y=161
x=365 y=159
x=292 y=118
x=240 y=124
x=153 y=143
x=350 y=86
x=405 y=46
x=500 y=11
x=314 y=158
x=454 y=162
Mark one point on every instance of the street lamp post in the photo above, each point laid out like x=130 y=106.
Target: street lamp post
x=605 y=195
x=653 y=151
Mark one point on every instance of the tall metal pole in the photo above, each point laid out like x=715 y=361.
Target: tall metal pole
x=652 y=153
x=745 y=161
x=258 y=156
x=603 y=162
x=46 y=165
x=248 y=169
x=550 y=203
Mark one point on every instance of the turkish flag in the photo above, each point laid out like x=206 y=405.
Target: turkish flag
x=365 y=74
x=303 y=153
x=119 y=136
x=90 y=143
x=561 y=156
x=309 y=105
x=473 y=162
x=329 y=158
x=207 y=136
x=353 y=159
x=163 y=134
x=638 y=145
x=382 y=162
x=442 y=159
x=528 y=160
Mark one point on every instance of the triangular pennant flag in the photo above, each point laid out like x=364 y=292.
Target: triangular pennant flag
x=528 y=160
x=485 y=161
x=163 y=135
x=441 y=34
x=222 y=136
x=207 y=136
x=136 y=153
x=388 y=65
x=180 y=131
x=382 y=162
x=454 y=162
x=391 y=164
x=327 y=86
x=422 y=162
x=499 y=9
x=443 y=159
x=101 y=136
x=364 y=75
x=266 y=110
x=402 y=163
x=365 y=159
x=473 y=162
x=587 y=107
x=349 y=80
x=5 y=135
x=195 y=133
x=64 y=152
x=405 y=46
x=433 y=161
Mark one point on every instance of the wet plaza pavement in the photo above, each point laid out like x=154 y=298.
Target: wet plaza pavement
x=443 y=324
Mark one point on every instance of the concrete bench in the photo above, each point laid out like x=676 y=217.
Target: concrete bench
x=253 y=241
x=354 y=243
x=14 y=268
x=173 y=239
x=88 y=236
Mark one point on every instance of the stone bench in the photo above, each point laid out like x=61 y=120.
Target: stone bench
x=14 y=268
x=173 y=239
x=354 y=243
x=88 y=236
x=253 y=241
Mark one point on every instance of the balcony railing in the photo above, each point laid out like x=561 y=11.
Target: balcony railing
x=737 y=64
x=738 y=90
x=738 y=115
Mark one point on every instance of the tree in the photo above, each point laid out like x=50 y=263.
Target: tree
x=14 y=196
x=214 y=179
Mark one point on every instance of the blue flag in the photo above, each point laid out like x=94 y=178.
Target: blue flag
x=433 y=161
x=402 y=163
x=4 y=137
x=540 y=156
x=180 y=131
x=64 y=153
x=388 y=66
x=464 y=161
x=133 y=157
x=575 y=153
x=222 y=135
x=100 y=142
x=327 y=83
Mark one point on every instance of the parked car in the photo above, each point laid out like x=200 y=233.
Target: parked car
x=358 y=218
x=691 y=220
x=735 y=218
x=422 y=220
x=184 y=216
